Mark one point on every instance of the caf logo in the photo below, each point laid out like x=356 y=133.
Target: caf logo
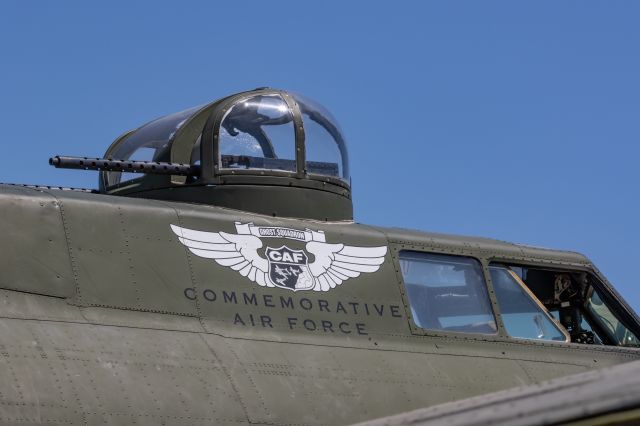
x=283 y=267
x=289 y=268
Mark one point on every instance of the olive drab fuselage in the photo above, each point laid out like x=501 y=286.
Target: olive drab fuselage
x=242 y=296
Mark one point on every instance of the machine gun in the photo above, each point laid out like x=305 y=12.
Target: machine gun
x=129 y=166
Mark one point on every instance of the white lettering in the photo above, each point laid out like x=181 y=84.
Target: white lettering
x=286 y=257
x=275 y=255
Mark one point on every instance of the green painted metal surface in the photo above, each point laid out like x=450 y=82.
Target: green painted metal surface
x=242 y=293
x=107 y=318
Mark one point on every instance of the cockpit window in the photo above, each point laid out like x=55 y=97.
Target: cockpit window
x=603 y=315
x=325 y=146
x=447 y=293
x=258 y=133
x=575 y=299
x=523 y=316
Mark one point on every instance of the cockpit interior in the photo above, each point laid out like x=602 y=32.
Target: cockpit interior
x=575 y=301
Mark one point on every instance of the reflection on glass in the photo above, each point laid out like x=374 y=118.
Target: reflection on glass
x=258 y=133
x=326 y=150
x=606 y=318
x=447 y=293
x=521 y=315
x=151 y=142
x=141 y=154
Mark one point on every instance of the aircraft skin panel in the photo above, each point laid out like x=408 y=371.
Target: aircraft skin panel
x=125 y=256
x=34 y=249
x=117 y=373
x=315 y=377
x=71 y=370
x=141 y=328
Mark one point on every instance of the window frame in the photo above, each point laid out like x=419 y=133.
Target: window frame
x=487 y=257
x=534 y=298
x=612 y=306
x=206 y=123
x=212 y=171
x=258 y=170
x=607 y=291
x=414 y=328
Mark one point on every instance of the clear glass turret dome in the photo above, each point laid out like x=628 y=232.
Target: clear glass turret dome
x=265 y=151
x=259 y=133
x=324 y=141
x=263 y=132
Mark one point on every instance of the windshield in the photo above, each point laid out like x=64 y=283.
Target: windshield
x=522 y=314
x=603 y=315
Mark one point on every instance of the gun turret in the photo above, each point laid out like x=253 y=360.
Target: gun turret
x=106 y=164
x=246 y=152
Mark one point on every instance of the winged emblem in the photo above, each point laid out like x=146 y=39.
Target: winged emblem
x=285 y=268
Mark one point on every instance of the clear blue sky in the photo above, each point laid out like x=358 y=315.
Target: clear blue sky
x=512 y=120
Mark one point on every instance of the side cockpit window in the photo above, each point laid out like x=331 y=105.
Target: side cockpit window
x=447 y=293
x=606 y=319
x=548 y=304
x=522 y=314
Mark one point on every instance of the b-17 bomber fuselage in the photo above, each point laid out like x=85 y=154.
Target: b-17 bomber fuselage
x=217 y=277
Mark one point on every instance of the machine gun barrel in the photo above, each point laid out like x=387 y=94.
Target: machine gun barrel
x=129 y=166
